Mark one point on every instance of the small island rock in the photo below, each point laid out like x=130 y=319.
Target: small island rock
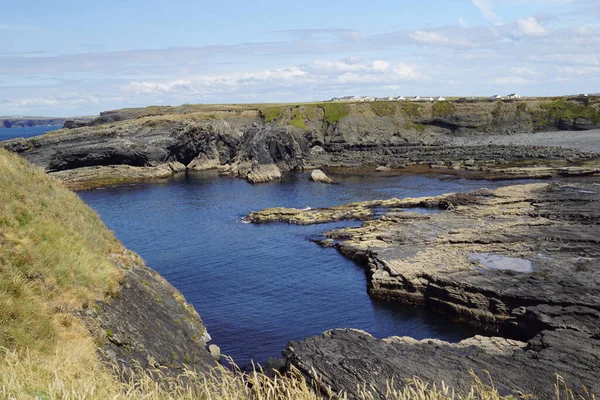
x=319 y=176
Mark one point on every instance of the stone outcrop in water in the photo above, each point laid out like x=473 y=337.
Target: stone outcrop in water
x=239 y=140
x=469 y=260
x=319 y=176
x=521 y=261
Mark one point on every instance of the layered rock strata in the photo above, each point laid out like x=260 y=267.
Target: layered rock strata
x=347 y=360
x=149 y=324
x=261 y=144
x=521 y=262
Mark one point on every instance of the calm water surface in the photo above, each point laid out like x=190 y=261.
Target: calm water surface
x=10 y=133
x=259 y=286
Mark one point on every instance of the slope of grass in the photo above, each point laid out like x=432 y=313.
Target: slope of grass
x=271 y=114
x=442 y=108
x=54 y=254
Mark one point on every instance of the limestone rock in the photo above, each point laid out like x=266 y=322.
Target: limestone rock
x=215 y=352
x=264 y=173
x=151 y=323
x=319 y=176
x=383 y=168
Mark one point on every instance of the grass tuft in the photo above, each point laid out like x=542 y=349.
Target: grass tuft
x=271 y=114
x=443 y=108
x=334 y=112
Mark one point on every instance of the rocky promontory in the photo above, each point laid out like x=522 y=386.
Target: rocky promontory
x=519 y=262
x=29 y=122
x=261 y=143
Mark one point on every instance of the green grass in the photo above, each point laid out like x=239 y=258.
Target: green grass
x=413 y=110
x=562 y=110
x=298 y=120
x=271 y=114
x=334 y=112
x=384 y=108
x=442 y=108
x=53 y=254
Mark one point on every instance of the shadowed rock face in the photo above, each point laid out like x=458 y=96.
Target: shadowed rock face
x=522 y=261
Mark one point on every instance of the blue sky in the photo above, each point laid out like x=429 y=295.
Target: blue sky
x=65 y=58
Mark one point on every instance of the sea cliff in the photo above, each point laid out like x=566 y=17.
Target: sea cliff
x=261 y=142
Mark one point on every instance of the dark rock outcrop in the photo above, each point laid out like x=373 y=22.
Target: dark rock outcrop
x=348 y=359
x=149 y=324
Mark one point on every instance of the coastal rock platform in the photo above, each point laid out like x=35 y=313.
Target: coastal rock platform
x=520 y=262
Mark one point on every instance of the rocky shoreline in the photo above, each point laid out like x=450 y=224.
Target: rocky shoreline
x=261 y=144
x=520 y=262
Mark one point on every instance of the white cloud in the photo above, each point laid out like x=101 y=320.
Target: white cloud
x=531 y=27
x=320 y=74
x=486 y=8
x=439 y=39
x=380 y=65
x=462 y=23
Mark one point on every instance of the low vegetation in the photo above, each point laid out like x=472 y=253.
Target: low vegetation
x=298 y=119
x=271 y=114
x=442 y=108
x=384 y=108
x=562 y=110
x=334 y=112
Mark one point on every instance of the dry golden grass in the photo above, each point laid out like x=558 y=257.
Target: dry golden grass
x=76 y=376
x=54 y=255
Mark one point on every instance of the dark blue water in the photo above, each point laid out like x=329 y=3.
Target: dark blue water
x=11 y=133
x=259 y=286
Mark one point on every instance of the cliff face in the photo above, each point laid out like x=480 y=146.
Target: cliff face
x=260 y=143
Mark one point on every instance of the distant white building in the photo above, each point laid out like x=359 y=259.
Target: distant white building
x=439 y=98
x=353 y=98
x=416 y=98
x=496 y=97
x=400 y=98
x=513 y=96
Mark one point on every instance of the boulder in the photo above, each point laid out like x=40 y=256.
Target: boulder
x=319 y=176
x=383 y=168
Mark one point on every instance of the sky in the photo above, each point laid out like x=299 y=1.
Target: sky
x=80 y=57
